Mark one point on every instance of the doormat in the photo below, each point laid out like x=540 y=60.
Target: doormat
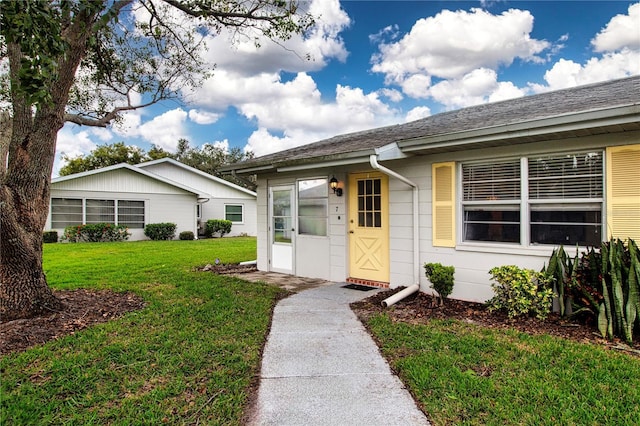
x=358 y=287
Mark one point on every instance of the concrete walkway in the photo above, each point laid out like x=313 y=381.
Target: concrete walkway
x=321 y=367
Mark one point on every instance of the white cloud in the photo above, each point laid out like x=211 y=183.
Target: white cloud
x=321 y=44
x=619 y=43
x=477 y=87
x=418 y=113
x=392 y=94
x=223 y=145
x=622 y=31
x=303 y=118
x=458 y=43
x=72 y=144
x=165 y=130
x=416 y=86
x=567 y=73
x=203 y=117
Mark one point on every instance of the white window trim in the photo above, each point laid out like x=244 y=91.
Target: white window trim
x=115 y=209
x=234 y=204
x=524 y=246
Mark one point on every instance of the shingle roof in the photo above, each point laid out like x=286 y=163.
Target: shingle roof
x=594 y=97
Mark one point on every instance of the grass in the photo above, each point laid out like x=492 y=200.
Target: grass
x=463 y=374
x=188 y=357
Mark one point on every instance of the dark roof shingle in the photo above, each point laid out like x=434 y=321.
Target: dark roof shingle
x=599 y=96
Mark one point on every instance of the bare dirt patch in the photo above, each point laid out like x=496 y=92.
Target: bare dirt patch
x=82 y=309
x=419 y=308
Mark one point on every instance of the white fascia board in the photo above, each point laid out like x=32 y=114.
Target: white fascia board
x=325 y=164
x=198 y=172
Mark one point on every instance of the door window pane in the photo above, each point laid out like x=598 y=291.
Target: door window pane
x=282 y=224
x=370 y=203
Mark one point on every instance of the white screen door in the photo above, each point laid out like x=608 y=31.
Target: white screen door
x=281 y=229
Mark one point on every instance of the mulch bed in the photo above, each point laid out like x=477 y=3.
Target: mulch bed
x=419 y=308
x=82 y=308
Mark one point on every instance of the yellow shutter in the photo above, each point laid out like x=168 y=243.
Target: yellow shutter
x=444 y=202
x=623 y=192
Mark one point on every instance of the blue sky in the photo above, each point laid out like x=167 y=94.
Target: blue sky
x=383 y=62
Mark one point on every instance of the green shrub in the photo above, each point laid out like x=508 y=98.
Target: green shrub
x=160 y=231
x=186 y=235
x=50 y=236
x=217 y=226
x=520 y=291
x=441 y=278
x=603 y=283
x=95 y=232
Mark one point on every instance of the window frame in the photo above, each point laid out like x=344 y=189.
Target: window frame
x=324 y=196
x=83 y=218
x=527 y=204
x=241 y=222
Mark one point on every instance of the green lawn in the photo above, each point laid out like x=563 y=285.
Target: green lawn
x=187 y=358
x=190 y=355
x=464 y=374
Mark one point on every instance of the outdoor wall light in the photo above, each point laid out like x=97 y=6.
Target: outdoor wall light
x=333 y=184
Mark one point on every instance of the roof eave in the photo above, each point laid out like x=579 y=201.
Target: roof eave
x=538 y=127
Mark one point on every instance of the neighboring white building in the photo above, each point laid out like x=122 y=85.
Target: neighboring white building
x=495 y=184
x=154 y=192
x=227 y=200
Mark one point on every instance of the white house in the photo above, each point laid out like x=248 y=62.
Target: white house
x=227 y=200
x=153 y=192
x=496 y=184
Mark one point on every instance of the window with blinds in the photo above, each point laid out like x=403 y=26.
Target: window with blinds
x=66 y=212
x=100 y=211
x=491 y=201
x=131 y=213
x=566 y=176
x=565 y=197
x=491 y=181
x=547 y=199
x=70 y=211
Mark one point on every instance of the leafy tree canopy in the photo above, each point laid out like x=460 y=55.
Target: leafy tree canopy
x=87 y=62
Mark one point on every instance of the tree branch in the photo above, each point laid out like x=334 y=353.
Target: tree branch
x=106 y=119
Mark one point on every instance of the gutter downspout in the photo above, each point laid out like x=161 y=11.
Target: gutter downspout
x=373 y=160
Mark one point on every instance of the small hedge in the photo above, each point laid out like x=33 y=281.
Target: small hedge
x=50 y=236
x=95 y=232
x=520 y=292
x=217 y=226
x=160 y=231
x=186 y=235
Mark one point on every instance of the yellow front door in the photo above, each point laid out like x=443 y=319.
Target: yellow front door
x=369 y=226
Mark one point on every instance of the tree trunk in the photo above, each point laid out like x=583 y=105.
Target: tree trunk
x=24 y=207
